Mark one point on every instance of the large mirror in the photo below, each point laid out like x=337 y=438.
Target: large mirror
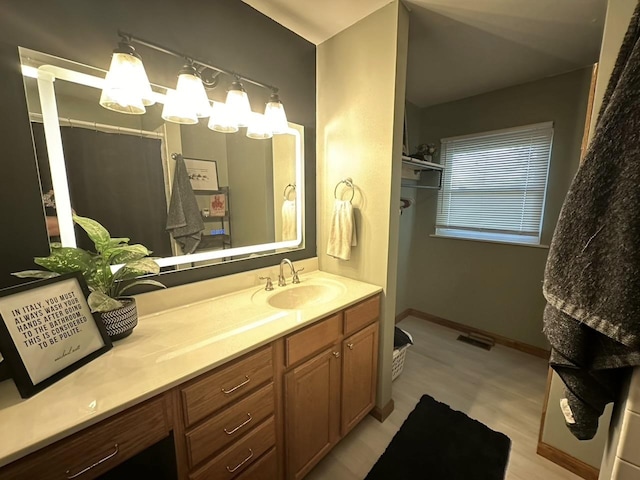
x=138 y=175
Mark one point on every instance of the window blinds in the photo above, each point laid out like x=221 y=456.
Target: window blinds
x=494 y=184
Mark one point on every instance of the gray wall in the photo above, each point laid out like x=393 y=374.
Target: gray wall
x=413 y=116
x=251 y=190
x=226 y=32
x=413 y=124
x=494 y=287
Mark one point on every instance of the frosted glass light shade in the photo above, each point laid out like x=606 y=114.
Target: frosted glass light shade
x=127 y=88
x=192 y=93
x=238 y=104
x=177 y=111
x=220 y=120
x=276 y=116
x=258 y=127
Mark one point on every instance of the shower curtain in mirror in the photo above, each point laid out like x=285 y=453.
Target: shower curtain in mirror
x=116 y=179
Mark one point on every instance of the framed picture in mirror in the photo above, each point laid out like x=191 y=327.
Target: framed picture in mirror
x=203 y=174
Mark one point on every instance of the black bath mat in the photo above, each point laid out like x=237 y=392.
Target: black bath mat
x=438 y=443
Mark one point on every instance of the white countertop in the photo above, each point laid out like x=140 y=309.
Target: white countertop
x=165 y=349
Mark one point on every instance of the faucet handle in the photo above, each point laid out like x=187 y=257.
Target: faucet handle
x=269 y=286
x=296 y=279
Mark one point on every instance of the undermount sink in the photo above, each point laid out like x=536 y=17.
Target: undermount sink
x=305 y=294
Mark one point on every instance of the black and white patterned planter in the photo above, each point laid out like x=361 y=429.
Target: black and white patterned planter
x=121 y=321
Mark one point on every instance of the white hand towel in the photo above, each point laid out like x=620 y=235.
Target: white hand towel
x=289 y=220
x=342 y=231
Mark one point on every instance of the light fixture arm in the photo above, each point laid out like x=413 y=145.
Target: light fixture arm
x=201 y=63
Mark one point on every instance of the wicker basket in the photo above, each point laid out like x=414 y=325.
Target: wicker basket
x=398 y=361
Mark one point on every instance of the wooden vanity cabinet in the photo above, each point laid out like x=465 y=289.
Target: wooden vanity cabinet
x=97 y=449
x=229 y=419
x=312 y=410
x=270 y=414
x=330 y=384
x=359 y=376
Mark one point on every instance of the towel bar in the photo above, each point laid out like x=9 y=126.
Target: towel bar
x=349 y=183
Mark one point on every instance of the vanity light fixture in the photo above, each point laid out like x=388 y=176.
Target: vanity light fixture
x=127 y=90
x=177 y=111
x=275 y=114
x=238 y=104
x=191 y=91
x=258 y=127
x=220 y=120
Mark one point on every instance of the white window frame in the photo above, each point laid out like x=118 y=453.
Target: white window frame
x=446 y=227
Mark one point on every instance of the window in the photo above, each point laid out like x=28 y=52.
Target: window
x=494 y=184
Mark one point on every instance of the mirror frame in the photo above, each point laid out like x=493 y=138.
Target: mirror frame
x=46 y=76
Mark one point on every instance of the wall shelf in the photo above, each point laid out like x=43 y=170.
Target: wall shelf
x=419 y=166
x=425 y=187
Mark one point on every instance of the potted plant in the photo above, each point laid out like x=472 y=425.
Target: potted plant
x=107 y=285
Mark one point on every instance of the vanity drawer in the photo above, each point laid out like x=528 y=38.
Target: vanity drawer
x=240 y=456
x=96 y=449
x=264 y=469
x=229 y=425
x=223 y=386
x=312 y=339
x=361 y=315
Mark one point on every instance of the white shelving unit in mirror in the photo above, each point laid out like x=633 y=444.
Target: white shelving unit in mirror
x=418 y=166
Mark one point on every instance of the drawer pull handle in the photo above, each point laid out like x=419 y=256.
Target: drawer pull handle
x=227 y=392
x=231 y=470
x=231 y=432
x=336 y=354
x=86 y=469
x=350 y=345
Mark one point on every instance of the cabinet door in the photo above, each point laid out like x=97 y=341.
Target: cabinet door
x=312 y=411
x=359 y=371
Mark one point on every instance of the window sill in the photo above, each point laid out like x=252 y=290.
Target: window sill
x=499 y=242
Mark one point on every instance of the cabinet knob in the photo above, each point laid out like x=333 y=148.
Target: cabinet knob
x=350 y=345
x=336 y=354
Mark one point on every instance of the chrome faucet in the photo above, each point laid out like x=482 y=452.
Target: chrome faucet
x=294 y=274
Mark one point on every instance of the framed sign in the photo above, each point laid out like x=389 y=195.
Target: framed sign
x=218 y=205
x=203 y=174
x=47 y=331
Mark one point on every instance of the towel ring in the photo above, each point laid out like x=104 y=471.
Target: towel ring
x=349 y=183
x=287 y=190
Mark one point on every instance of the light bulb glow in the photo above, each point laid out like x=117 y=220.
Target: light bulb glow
x=127 y=88
x=258 y=127
x=192 y=93
x=220 y=121
x=177 y=111
x=238 y=104
x=276 y=116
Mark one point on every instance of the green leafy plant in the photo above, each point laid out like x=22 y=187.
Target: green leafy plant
x=106 y=286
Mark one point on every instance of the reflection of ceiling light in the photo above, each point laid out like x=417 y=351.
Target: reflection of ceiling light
x=127 y=88
x=176 y=111
x=191 y=91
x=275 y=115
x=220 y=120
x=238 y=104
x=259 y=127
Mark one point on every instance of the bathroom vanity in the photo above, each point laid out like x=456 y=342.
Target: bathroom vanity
x=245 y=389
